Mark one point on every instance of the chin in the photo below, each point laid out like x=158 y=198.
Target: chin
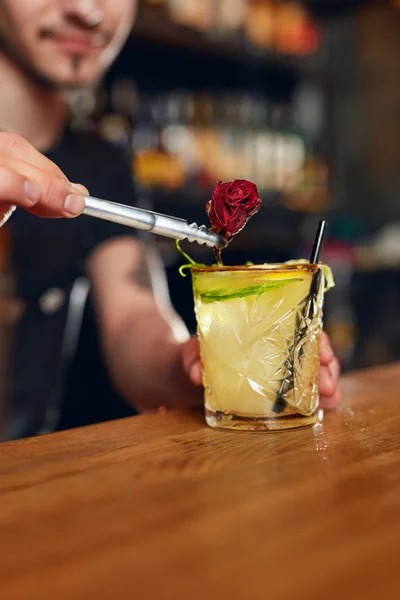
x=62 y=75
x=70 y=81
x=74 y=83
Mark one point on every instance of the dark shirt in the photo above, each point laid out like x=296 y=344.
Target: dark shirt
x=49 y=390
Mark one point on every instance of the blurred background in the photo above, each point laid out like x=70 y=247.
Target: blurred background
x=301 y=97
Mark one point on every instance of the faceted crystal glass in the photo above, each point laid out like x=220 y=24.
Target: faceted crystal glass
x=259 y=329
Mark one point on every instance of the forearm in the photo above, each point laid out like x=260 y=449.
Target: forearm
x=144 y=360
x=142 y=338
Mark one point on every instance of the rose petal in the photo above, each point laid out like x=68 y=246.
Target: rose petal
x=232 y=204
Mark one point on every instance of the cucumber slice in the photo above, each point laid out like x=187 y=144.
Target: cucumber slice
x=221 y=294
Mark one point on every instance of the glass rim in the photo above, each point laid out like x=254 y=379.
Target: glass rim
x=266 y=267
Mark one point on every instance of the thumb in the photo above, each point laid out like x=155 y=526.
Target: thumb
x=191 y=360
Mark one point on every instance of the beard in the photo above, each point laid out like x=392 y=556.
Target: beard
x=45 y=81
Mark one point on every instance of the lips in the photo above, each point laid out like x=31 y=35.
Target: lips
x=76 y=44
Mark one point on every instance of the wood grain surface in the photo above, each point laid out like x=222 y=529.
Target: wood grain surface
x=162 y=507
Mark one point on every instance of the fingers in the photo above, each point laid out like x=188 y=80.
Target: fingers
x=191 y=360
x=326 y=352
x=17 y=147
x=331 y=402
x=16 y=189
x=335 y=369
x=195 y=375
x=329 y=378
x=330 y=394
x=327 y=385
x=30 y=180
x=38 y=190
x=81 y=188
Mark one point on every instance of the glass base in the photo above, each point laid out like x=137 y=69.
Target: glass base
x=222 y=420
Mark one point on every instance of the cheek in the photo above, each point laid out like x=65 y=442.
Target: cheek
x=20 y=24
x=120 y=15
x=11 y=23
x=20 y=15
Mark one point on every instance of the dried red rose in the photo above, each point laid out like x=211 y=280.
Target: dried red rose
x=231 y=206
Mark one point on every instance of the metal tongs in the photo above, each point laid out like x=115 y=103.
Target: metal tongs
x=147 y=220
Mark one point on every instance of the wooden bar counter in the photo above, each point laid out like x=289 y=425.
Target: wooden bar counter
x=162 y=507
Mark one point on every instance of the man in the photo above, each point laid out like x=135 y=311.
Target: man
x=47 y=47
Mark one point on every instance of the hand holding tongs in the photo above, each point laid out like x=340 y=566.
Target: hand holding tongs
x=139 y=218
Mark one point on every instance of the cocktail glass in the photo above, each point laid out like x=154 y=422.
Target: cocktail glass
x=259 y=329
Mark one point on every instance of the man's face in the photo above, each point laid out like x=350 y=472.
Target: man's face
x=69 y=43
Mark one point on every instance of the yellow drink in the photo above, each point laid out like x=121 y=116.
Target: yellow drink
x=259 y=330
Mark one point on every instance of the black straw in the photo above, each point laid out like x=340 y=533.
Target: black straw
x=319 y=238
x=287 y=383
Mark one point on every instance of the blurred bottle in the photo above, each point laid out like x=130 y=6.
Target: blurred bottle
x=302 y=170
x=295 y=33
x=153 y=8
x=285 y=27
x=199 y=15
x=81 y=104
x=264 y=144
x=179 y=136
x=119 y=126
x=206 y=141
x=259 y=23
x=288 y=149
x=115 y=129
x=154 y=165
x=230 y=16
x=193 y=140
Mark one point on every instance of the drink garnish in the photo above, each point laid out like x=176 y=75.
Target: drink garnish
x=229 y=209
x=222 y=294
x=189 y=265
x=231 y=206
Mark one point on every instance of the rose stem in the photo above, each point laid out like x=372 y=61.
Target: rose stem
x=217 y=254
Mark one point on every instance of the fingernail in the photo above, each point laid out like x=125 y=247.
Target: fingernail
x=80 y=188
x=74 y=204
x=195 y=374
x=32 y=191
x=328 y=352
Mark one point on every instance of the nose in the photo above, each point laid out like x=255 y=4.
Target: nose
x=87 y=11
